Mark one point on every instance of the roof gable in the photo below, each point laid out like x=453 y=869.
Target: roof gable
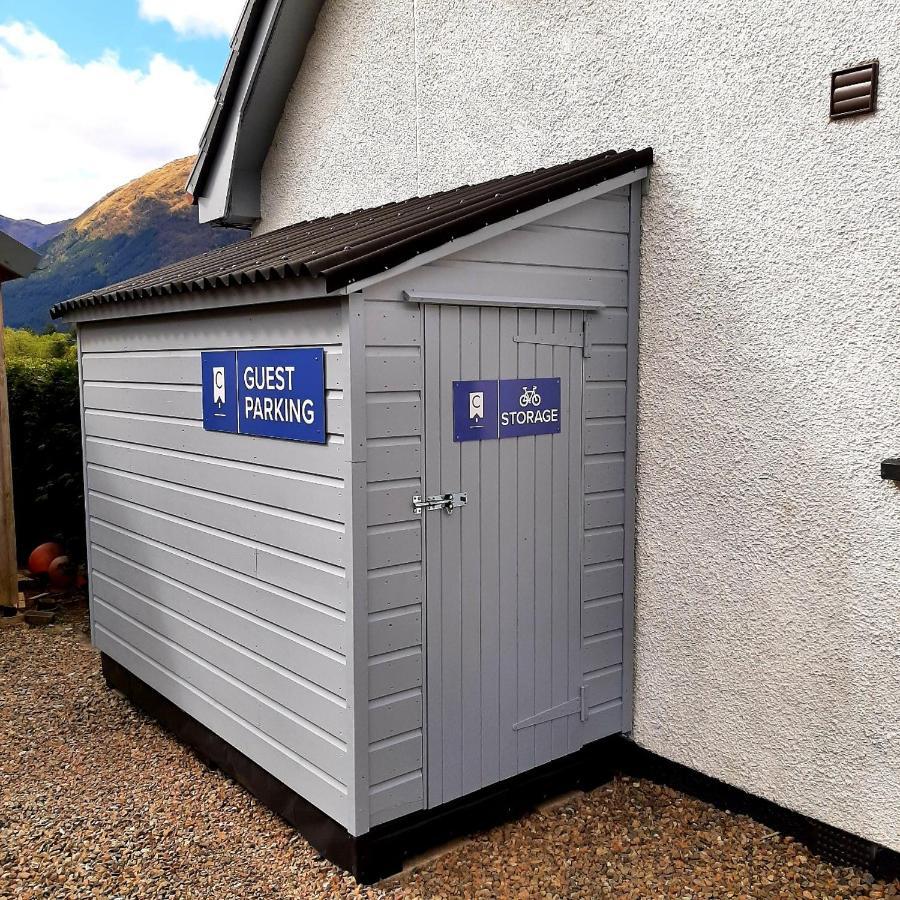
x=267 y=50
x=343 y=250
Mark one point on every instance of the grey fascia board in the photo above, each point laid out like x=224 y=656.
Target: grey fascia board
x=16 y=258
x=223 y=96
x=281 y=291
x=272 y=56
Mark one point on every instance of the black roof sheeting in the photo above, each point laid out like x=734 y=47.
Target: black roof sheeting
x=348 y=247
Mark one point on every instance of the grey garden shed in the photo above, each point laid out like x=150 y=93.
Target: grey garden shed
x=360 y=499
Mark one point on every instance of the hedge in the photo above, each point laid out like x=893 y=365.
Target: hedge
x=45 y=430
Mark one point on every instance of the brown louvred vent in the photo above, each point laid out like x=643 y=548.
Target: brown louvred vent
x=853 y=90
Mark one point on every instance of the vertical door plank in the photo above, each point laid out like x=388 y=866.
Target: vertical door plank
x=507 y=540
x=561 y=614
x=471 y=564
x=433 y=617
x=525 y=567
x=543 y=558
x=451 y=598
x=490 y=500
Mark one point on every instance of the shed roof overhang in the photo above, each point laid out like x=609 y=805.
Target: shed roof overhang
x=16 y=260
x=267 y=50
x=347 y=252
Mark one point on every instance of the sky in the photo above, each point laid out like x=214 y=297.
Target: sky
x=96 y=92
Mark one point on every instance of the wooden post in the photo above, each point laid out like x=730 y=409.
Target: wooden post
x=9 y=575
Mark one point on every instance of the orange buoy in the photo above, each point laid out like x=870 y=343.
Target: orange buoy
x=60 y=573
x=42 y=556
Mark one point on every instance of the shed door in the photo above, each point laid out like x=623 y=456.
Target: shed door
x=503 y=586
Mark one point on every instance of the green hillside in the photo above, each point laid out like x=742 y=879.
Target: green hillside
x=146 y=224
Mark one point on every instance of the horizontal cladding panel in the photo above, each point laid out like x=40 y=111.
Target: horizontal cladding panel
x=387 y=417
x=325 y=753
x=392 y=324
x=603 y=510
x=602 y=651
x=178 y=402
x=318 y=539
x=608 y=327
x=395 y=629
x=280 y=761
x=606 y=364
x=309 y=323
x=294 y=574
x=395 y=714
x=451 y=276
x=396 y=798
x=177 y=367
x=320 y=624
x=275 y=487
x=604 y=436
x=391 y=588
x=604 y=545
x=389 y=502
x=199 y=541
x=393 y=369
x=390 y=459
x=602 y=214
x=549 y=246
x=189 y=437
x=238 y=659
x=603 y=721
x=283 y=645
x=601 y=616
x=603 y=580
x=393 y=673
x=604 y=473
x=603 y=686
x=394 y=757
x=604 y=399
x=394 y=545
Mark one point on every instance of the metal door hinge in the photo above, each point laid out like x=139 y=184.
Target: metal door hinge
x=582 y=695
x=447 y=502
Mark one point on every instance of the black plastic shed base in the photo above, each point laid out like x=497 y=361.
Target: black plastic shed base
x=383 y=850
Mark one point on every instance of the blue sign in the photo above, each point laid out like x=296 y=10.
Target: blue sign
x=510 y=407
x=267 y=393
x=474 y=410
x=529 y=406
x=219 y=391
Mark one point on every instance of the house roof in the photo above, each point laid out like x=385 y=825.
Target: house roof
x=346 y=248
x=16 y=260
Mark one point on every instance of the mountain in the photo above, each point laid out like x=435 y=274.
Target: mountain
x=30 y=233
x=143 y=225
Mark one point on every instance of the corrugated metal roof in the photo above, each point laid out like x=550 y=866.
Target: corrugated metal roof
x=346 y=248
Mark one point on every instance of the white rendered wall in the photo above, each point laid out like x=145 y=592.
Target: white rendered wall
x=768 y=592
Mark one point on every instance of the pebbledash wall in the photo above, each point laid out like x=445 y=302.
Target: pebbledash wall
x=768 y=580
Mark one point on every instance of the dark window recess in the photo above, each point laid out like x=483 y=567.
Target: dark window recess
x=890 y=469
x=853 y=91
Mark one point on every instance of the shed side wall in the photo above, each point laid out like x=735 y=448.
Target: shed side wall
x=218 y=561
x=579 y=254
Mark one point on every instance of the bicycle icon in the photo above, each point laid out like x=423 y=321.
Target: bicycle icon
x=530 y=396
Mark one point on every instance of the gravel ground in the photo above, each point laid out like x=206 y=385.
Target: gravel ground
x=96 y=801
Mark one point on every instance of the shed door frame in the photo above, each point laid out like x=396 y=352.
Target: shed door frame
x=552 y=725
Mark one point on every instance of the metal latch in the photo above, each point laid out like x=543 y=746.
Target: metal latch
x=447 y=502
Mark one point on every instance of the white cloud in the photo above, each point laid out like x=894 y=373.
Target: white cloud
x=194 y=18
x=74 y=132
